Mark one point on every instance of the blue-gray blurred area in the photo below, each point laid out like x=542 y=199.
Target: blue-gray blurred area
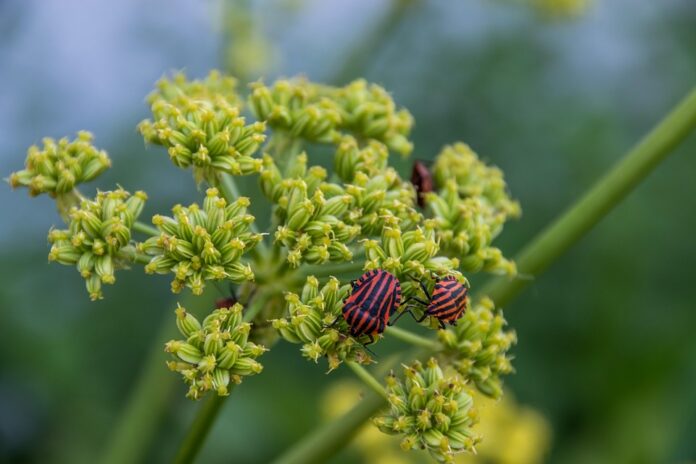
x=607 y=337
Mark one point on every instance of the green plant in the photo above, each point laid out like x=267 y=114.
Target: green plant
x=326 y=228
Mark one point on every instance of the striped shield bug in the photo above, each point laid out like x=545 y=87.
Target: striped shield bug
x=447 y=302
x=422 y=180
x=375 y=297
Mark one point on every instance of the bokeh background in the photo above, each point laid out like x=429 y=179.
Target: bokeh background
x=606 y=360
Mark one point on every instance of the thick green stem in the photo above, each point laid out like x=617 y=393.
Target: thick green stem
x=364 y=50
x=330 y=438
x=134 y=256
x=367 y=378
x=206 y=415
x=145 y=229
x=137 y=424
x=322 y=270
x=202 y=423
x=228 y=189
x=414 y=339
x=549 y=244
x=595 y=204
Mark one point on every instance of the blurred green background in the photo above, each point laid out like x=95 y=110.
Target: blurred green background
x=607 y=345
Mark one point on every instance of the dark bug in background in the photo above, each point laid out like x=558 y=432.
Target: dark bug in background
x=422 y=180
x=447 y=303
x=227 y=301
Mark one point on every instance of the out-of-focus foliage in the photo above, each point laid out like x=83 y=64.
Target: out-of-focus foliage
x=608 y=352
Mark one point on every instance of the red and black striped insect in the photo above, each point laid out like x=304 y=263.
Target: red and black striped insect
x=422 y=180
x=375 y=297
x=447 y=303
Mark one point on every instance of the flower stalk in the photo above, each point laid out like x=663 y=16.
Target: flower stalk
x=367 y=378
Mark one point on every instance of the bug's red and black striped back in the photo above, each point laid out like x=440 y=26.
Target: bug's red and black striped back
x=375 y=297
x=448 y=300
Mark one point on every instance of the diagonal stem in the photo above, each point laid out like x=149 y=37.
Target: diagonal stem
x=202 y=423
x=332 y=437
x=608 y=192
x=412 y=338
x=367 y=378
x=542 y=251
x=145 y=407
x=145 y=229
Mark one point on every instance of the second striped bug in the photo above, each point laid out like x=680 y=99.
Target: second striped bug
x=447 y=302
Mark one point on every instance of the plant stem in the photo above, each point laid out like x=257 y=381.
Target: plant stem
x=145 y=229
x=362 y=52
x=229 y=190
x=135 y=257
x=255 y=307
x=549 y=244
x=206 y=415
x=137 y=424
x=412 y=338
x=202 y=423
x=596 y=203
x=322 y=270
x=330 y=438
x=367 y=378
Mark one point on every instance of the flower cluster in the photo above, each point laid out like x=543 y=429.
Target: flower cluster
x=202 y=244
x=474 y=178
x=97 y=240
x=408 y=255
x=297 y=107
x=369 y=112
x=60 y=166
x=313 y=319
x=377 y=189
x=351 y=158
x=431 y=409
x=309 y=212
x=362 y=215
x=321 y=113
x=470 y=208
x=199 y=123
x=215 y=353
x=478 y=347
x=379 y=198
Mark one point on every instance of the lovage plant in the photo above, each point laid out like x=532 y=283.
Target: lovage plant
x=349 y=247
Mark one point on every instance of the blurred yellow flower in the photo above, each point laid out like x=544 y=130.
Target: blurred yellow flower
x=512 y=433
x=562 y=8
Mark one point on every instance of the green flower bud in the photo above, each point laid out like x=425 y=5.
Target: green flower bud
x=186 y=322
